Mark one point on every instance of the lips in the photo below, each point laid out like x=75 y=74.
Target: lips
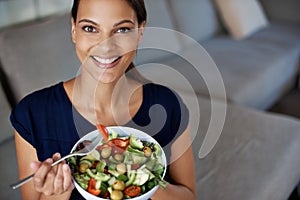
x=106 y=62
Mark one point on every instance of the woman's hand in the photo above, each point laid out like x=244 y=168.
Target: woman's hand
x=181 y=171
x=50 y=180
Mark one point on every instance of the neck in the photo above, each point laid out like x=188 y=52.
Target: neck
x=104 y=94
x=102 y=99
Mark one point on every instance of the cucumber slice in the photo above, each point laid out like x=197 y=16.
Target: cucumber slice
x=113 y=160
x=151 y=163
x=98 y=185
x=114 y=172
x=131 y=178
x=111 y=181
x=92 y=156
x=90 y=163
x=136 y=143
x=102 y=177
x=100 y=166
x=122 y=177
x=147 y=171
x=137 y=159
x=157 y=150
x=135 y=151
x=141 y=178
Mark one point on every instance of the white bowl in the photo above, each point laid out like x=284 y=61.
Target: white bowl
x=122 y=131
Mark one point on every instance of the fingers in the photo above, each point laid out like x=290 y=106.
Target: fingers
x=59 y=181
x=52 y=180
x=68 y=184
x=41 y=174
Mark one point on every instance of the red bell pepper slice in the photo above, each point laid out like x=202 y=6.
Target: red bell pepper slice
x=92 y=187
x=102 y=129
x=121 y=143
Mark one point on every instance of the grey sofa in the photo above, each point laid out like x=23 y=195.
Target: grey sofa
x=257 y=154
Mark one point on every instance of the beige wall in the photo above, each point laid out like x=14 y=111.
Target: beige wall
x=16 y=11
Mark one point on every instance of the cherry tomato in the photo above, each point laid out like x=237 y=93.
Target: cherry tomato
x=132 y=191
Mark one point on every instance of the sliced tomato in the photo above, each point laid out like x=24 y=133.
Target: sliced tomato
x=134 y=166
x=106 y=194
x=132 y=190
x=106 y=171
x=117 y=150
x=99 y=148
x=94 y=164
x=102 y=129
x=92 y=187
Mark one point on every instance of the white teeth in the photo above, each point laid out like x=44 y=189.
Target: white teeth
x=105 y=61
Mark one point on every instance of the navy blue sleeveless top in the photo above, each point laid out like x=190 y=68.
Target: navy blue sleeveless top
x=48 y=121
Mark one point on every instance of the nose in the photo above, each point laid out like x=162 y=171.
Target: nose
x=106 y=43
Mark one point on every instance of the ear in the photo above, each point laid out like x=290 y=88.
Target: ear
x=141 y=31
x=73 y=31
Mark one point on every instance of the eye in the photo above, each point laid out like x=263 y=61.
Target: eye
x=89 y=29
x=124 y=30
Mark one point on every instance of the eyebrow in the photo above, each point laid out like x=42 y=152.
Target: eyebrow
x=116 y=24
x=123 y=22
x=88 y=21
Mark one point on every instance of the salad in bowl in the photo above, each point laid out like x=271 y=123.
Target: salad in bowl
x=128 y=164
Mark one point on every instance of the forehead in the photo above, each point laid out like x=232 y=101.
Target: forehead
x=105 y=10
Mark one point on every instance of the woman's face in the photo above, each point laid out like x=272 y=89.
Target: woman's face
x=106 y=35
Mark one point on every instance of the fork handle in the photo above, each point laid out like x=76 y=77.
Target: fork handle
x=25 y=180
x=21 y=182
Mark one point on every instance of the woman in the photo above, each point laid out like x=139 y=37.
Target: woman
x=106 y=34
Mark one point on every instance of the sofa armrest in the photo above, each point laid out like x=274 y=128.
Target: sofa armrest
x=279 y=10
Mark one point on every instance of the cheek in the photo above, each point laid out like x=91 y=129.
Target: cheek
x=83 y=48
x=126 y=43
x=129 y=57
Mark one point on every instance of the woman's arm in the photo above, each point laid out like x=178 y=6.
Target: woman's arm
x=181 y=171
x=54 y=181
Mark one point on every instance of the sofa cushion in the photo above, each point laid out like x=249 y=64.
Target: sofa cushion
x=160 y=28
x=254 y=66
x=242 y=18
x=8 y=171
x=6 y=131
x=248 y=67
x=282 y=35
x=271 y=54
x=256 y=156
x=38 y=54
x=201 y=24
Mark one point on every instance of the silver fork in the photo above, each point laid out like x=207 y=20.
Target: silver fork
x=87 y=149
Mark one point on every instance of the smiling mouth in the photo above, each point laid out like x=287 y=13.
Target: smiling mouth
x=106 y=61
